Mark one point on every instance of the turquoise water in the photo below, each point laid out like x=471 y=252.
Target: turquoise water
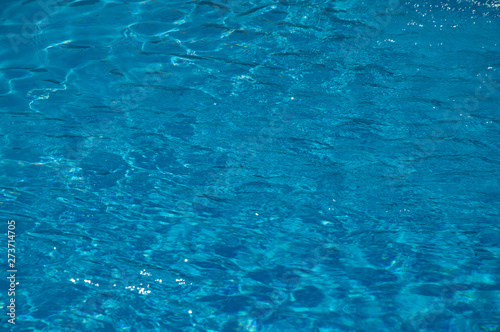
x=251 y=165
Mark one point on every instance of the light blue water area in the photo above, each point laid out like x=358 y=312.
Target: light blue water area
x=262 y=165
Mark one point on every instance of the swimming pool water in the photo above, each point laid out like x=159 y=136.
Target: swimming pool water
x=263 y=165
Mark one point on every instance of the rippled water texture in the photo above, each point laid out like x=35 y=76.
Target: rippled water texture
x=252 y=165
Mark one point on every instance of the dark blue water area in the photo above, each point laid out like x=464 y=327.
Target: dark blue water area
x=251 y=165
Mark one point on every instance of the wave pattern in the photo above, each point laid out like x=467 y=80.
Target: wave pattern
x=252 y=165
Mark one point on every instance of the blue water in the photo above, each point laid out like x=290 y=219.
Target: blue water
x=251 y=165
